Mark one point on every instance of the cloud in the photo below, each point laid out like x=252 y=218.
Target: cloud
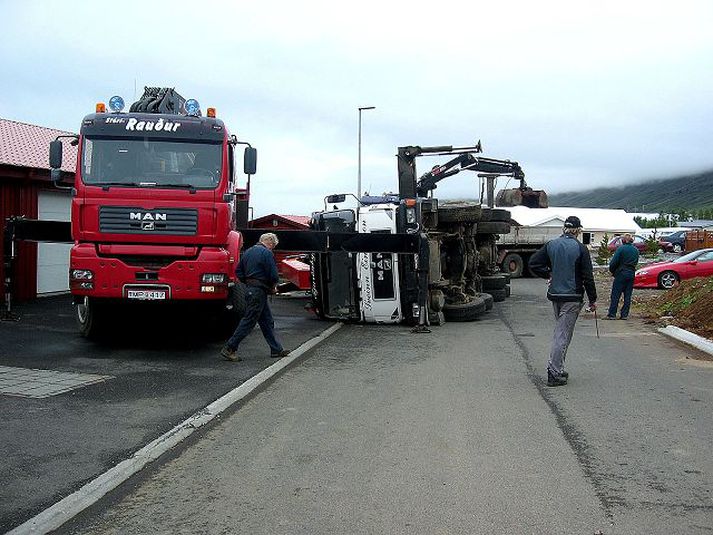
x=578 y=93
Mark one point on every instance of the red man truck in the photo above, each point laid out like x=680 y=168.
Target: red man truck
x=155 y=208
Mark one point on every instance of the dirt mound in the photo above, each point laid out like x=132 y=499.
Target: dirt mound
x=689 y=305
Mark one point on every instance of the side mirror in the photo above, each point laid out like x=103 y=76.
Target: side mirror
x=250 y=161
x=56 y=177
x=55 y=154
x=334 y=199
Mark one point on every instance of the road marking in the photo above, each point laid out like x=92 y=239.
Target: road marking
x=38 y=384
x=53 y=517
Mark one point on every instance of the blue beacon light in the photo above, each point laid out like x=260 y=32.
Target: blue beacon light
x=192 y=107
x=116 y=103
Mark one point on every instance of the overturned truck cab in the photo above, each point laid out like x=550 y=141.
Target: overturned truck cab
x=452 y=273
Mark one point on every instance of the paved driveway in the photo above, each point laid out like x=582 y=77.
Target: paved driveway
x=71 y=408
x=384 y=431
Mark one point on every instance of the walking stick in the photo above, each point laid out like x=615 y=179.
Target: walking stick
x=596 y=320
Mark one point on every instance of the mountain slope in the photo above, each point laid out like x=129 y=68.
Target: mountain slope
x=689 y=193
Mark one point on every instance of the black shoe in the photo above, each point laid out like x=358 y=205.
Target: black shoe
x=623 y=317
x=553 y=380
x=280 y=354
x=610 y=317
x=564 y=374
x=229 y=354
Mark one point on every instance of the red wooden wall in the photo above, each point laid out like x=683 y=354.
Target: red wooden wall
x=18 y=196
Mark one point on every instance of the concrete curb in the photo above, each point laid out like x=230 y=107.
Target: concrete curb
x=53 y=517
x=687 y=337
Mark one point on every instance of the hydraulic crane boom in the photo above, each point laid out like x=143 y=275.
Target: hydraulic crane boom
x=410 y=187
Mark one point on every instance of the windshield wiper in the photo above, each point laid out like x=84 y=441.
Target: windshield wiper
x=190 y=187
x=106 y=185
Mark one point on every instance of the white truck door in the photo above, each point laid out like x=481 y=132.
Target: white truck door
x=378 y=273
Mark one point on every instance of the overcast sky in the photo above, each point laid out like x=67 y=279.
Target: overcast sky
x=582 y=94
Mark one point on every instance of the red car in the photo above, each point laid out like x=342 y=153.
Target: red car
x=668 y=274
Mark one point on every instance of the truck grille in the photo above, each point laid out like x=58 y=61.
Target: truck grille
x=149 y=262
x=165 y=221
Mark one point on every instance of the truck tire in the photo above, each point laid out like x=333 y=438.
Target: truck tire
x=461 y=212
x=513 y=264
x=486 y=214
x=528 y=269
x=493 y=282
x=230 y=317
x=465 y=311
x=488 y=301
x=498 y=214
x=237 y=299
x=90 y=318
x=507 y=290
x=493 y=227
x=499 y=295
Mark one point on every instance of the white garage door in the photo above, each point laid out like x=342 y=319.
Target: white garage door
x=53 y=258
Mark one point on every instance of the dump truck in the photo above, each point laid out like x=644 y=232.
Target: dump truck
x=515 y=248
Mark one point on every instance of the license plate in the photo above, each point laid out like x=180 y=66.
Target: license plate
x=149 y=295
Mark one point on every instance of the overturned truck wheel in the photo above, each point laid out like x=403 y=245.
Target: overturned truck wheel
x=465 y=311
x=459 y=212
x=499 y=295
x=493 y=282
x=493 y=227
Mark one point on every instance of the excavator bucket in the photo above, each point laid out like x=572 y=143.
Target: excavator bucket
x=532 y=198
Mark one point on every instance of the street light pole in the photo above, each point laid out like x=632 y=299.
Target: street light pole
x=359 y=162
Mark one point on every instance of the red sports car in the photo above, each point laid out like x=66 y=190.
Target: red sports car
x=668 y=274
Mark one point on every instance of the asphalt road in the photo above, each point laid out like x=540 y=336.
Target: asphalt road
x=384 y=431
x=164 y=367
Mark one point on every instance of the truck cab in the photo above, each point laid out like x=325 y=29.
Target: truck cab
x=155 y=208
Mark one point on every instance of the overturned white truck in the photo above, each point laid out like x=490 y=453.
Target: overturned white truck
x=451 y=275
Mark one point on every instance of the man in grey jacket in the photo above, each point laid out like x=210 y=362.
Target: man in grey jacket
x=565 y=261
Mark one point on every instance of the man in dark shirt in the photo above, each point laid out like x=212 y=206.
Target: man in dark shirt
x=257 y=269
x=623 y=266
x=565 y=261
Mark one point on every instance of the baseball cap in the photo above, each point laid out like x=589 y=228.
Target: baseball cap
x=572 y=222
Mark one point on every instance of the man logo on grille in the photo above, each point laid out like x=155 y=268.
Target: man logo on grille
x=147 y=216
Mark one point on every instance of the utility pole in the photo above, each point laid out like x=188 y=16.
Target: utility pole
x=359 y=192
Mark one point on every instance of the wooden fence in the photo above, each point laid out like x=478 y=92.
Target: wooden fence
x=699 y=239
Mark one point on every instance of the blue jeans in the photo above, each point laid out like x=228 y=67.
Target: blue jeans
x=623 y=283
x=258 y=311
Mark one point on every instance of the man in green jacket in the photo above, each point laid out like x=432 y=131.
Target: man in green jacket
x=623 y=266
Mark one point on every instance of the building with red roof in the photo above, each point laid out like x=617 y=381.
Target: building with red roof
x=272 y=222
x=26 y=190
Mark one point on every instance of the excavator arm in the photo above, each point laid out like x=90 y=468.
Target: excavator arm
x=465 y=160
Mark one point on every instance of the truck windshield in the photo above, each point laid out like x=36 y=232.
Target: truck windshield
x=151 y=163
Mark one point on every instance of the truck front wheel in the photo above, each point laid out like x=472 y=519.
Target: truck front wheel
x=466 y=311
x=513 y=264
x=235 y=308
x=89 y=317
x=237 y=299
